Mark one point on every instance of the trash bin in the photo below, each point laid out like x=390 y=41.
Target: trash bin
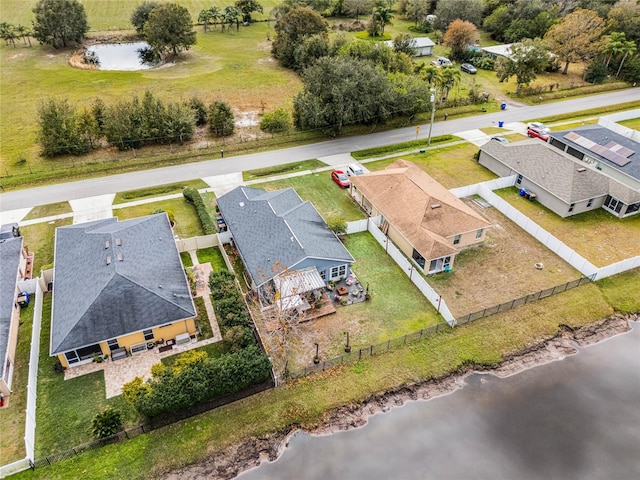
x=501 y=124
x=503 y=106
x=522 y=192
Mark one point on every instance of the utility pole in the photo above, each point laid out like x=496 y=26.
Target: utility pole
x=433 y=113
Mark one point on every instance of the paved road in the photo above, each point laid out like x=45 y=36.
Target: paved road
x=130 y=181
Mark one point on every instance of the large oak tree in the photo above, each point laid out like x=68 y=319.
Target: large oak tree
x=169 y=29
x=576 y=37
x=59 y=22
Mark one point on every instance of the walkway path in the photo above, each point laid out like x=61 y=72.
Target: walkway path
x=202 y=272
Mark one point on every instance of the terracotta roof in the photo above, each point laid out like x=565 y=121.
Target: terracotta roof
x=422 y=210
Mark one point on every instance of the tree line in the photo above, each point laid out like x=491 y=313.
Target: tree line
x=127 y=124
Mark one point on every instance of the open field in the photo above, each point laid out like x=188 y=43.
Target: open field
x=597 y=235
x=502 y=269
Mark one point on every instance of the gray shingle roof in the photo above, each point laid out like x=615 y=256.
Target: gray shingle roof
x=555 y=171
x=277 y=230
x=603 y=136
x=143 y=286
x=9 y=264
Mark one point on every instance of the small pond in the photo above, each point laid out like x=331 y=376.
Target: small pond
x=120 y=56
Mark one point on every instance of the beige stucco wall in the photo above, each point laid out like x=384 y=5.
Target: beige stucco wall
x=468 y=239
x=165 y=332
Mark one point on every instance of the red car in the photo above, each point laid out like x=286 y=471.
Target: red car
x=340 y=178
x=537 y=132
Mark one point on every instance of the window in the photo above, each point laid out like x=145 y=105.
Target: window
x=72 y=357
x=519 y=179
x=613 y=204
x=323 y=275
x=148 y=334
x=456 y=240
x=571 y=207
x=419 y=259
x=113 y=344
x=479 y=233
x=338 y=272
x=633 y=208
x=590 y=202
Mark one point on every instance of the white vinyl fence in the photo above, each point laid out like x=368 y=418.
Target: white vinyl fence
x=611 y=122
x=410 y=270
x=30 y=422
x=196 y=243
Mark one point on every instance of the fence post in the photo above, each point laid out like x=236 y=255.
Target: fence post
x=405 y=340
x=388 y=344
x=371 y=350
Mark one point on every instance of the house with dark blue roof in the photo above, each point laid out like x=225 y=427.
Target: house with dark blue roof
x=12 y=271
x=276 y=232
x=118 y=287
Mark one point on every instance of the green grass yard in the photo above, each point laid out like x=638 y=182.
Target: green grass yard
x=39 y=238
x=132 y=195
x=329 y=199
x=453 y=166
x=213 y=256
x=187 y=222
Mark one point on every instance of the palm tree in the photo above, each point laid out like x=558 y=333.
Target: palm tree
x=450 y=78
x=8 y=34
x=24 y=33
x=615 y=43
x=629 y=49
x=230 y=15
x=432 y=75
x=384 y=16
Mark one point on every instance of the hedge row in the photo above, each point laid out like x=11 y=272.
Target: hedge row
x=193 y=196
x=196 y=378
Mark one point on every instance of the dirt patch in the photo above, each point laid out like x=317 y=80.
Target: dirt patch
x=252 y=451
x=510 y=264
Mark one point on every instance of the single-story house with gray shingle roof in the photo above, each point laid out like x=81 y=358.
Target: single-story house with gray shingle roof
x=276 y=232
x=611 y=154
x=558 y=180
x=12 y=270
x=117 y=286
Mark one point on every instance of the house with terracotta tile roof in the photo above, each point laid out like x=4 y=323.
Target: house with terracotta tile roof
x=426 y=221
x=118 y=287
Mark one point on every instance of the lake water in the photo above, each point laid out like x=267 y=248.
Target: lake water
x=120 y=56
x=578 y=418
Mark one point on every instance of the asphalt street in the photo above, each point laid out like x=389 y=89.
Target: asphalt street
x=31 y=197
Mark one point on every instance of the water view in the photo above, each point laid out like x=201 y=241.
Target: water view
x=573 y=419
x=120 y=56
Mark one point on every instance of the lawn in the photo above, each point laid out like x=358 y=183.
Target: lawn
x=320 y=190
x=282 y=169
x=12 y=418
x=501 y=269
x=597 y=235
x=622 y=291
x=43 y=211
x=144 y=193
x=187 y=222
x=304 y=402
x=453 y=166
x=67 y=407
x=213 y=256
x=395 y=309
x=40 y=238
x=631 y=123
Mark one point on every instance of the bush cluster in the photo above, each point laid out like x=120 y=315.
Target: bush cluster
x=193 y=196
x=230 y=310
x=196 y=378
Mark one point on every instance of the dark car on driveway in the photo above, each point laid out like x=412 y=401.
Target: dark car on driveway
x=468 y=68
x=340 y=178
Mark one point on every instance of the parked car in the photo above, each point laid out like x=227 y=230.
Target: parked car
x=340 y=178
x=500 y=139
x=467 y=67
x=354 y=169
x=540 y=126
x=537 y=132
x=441 y=62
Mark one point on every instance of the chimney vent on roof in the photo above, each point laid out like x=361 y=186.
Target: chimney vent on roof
x=435 y=205
x=241 y=204
x=106 y=244
x=120 y=256
x=118 y=241
x=582 y=169
x=108 y=259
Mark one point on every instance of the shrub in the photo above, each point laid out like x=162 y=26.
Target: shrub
x=232 y=311
x=198 y=380
x=238 y=337
x=276 y=122
x=193 y=196
x=107 y=423
x=221 y=119
x=221 y=283
x=596 y=72
x=337 y=225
